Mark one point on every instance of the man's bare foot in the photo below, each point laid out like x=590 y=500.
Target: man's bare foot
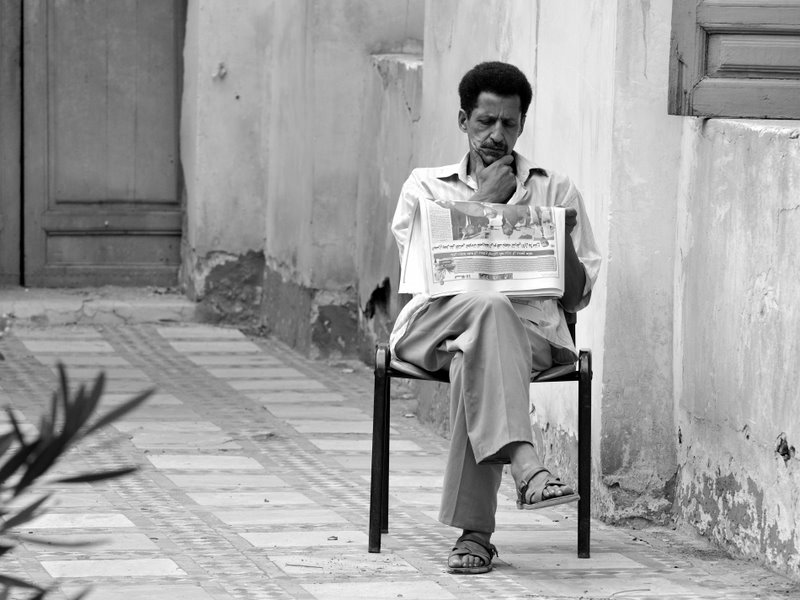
x=472 y=553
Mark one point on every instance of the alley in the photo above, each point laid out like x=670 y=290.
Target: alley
x=253 y=484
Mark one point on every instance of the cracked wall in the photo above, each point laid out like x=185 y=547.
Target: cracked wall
x=738 y=418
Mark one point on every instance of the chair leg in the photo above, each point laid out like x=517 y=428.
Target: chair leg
x=385 y=438
x=584 y=451
x=379 y=474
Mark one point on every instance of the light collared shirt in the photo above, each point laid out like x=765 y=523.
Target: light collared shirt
x=535 y=186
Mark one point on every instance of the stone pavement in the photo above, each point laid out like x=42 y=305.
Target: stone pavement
x=254 y=485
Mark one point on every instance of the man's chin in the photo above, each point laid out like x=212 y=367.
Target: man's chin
x=490 y=157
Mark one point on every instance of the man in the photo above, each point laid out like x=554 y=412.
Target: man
x=489 y=342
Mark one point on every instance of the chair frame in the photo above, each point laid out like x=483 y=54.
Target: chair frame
x=387 y=369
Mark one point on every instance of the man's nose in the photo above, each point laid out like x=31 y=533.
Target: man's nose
x=497 y=132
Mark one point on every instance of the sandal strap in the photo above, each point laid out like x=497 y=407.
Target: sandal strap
x=472 y=544
x=524 y=482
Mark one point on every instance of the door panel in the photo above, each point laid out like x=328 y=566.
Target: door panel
x=102 y=180
x=10 y=144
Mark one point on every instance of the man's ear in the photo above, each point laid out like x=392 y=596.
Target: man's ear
x=522 y=123
x=462 y=120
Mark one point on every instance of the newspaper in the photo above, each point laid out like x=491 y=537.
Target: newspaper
x=459 y=247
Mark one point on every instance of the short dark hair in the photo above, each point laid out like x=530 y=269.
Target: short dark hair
x=497 y=77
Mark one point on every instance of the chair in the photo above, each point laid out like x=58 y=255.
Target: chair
x=387 y=367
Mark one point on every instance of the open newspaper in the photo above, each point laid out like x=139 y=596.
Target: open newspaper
x=458 y=247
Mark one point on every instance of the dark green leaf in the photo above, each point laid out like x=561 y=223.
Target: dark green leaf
x=14 y=582
x=16 y=460
x=87 y=407
x=45 y=459
x=5 y=441
x=23 y=516
x=120 y=411
x=58 y=543
x=83 y=594
x=98 y=476
x=15 y=425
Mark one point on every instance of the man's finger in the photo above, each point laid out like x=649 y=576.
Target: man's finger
x=506 y=159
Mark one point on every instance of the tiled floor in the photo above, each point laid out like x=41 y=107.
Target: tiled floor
x=253 y=484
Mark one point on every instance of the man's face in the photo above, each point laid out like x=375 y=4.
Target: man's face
x=493 y=126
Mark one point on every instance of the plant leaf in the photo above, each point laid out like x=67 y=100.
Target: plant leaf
x=5 y=441
x=16 y=461
x=97 y=476
x=82 y=594
x=14 y=582
x=121 y=410
x=15 y=425
x=90 y=402
x=57 y=543
x=45 y=459
x=23 y=516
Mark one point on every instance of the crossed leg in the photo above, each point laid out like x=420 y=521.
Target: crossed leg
x=490 y=353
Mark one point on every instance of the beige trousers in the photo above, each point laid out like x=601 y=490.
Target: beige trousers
x=490 y=353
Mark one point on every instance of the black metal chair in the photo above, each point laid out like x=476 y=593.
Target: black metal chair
x=387 y=368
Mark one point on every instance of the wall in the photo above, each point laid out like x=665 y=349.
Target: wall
x=222 y=149
x=388 y=132
x=736 y=321
x=321 y=64
x=639 y=461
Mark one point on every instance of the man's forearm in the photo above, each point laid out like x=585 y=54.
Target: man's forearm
x=574 y=276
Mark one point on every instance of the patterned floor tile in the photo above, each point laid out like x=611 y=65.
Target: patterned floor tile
x=282 y=516
x=254 y=484
x=316 y=538
x=128 y=567
x=407 y=590
x=204 y=462
x=147 y=592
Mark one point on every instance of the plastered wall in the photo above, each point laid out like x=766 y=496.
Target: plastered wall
x=737 y=316
x=223 y=153
x=322 y=72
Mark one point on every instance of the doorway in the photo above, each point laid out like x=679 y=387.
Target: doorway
x=99 y=177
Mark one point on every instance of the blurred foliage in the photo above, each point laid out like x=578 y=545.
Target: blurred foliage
x=26 y=460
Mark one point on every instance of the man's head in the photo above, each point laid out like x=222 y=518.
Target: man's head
x=494 y=99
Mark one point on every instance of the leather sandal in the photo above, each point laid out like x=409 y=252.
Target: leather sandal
x=537 y=500
x=470 y=544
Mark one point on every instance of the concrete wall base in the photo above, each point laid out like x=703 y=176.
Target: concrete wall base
x=319 y=323
x=228 y=288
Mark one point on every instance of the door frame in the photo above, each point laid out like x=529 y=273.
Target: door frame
x=11 y=217
x=36 y=169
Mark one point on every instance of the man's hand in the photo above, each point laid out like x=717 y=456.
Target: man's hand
x=570 y=219
x=496 y=182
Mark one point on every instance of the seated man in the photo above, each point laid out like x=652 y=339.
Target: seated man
x=489 y=342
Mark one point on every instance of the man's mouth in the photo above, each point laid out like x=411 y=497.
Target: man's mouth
x=494 y=150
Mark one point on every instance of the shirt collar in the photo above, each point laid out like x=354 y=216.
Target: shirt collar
x=460 y=169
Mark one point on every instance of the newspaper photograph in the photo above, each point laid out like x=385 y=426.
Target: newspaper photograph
x=474 y=246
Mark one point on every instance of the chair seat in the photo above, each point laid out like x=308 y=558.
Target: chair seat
x=399 y=368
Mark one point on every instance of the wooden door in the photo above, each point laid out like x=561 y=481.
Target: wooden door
x=10 y=145
x=102 y=185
